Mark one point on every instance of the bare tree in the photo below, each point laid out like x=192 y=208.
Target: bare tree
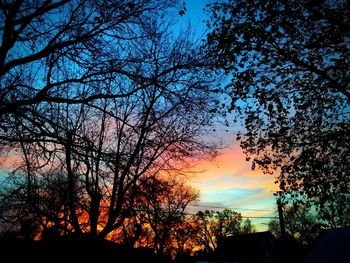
x=205 y=234
x=165 y=206
x=183 y=238
x=107 y=149
x=158 y=219
x=49 y=49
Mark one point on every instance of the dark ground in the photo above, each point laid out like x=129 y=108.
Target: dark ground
x=73 y=251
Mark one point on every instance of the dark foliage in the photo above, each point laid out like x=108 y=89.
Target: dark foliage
x=290 y=66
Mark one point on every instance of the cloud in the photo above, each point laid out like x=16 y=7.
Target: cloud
x=8 y=160
x=228 y=181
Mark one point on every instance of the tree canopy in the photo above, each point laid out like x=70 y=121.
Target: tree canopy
x=300 y=222
x=290 y=73
x=213 y=226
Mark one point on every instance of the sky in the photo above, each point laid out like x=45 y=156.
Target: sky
x=228 y=181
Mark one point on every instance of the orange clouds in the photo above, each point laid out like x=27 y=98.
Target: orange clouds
x=8 y=160
x=231 y=162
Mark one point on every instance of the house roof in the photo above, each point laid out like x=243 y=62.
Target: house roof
x=332 y=246
x=248 y=239
x=246 y=244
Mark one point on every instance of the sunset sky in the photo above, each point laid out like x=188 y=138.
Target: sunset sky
x=228 y=181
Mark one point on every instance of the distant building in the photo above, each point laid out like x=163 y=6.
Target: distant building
x=333 y=245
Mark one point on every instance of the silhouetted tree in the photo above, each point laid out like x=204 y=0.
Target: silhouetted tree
x=247 y=227
x=76 y=47
x=213 y=226
x=205 y=230
x=134 y=231
x=158 y=219
x=290 y=64
x=183 y=238
x=107 y=149
x=45 y=207
x=165 y=205
x=301 y=223
x=55 y=54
